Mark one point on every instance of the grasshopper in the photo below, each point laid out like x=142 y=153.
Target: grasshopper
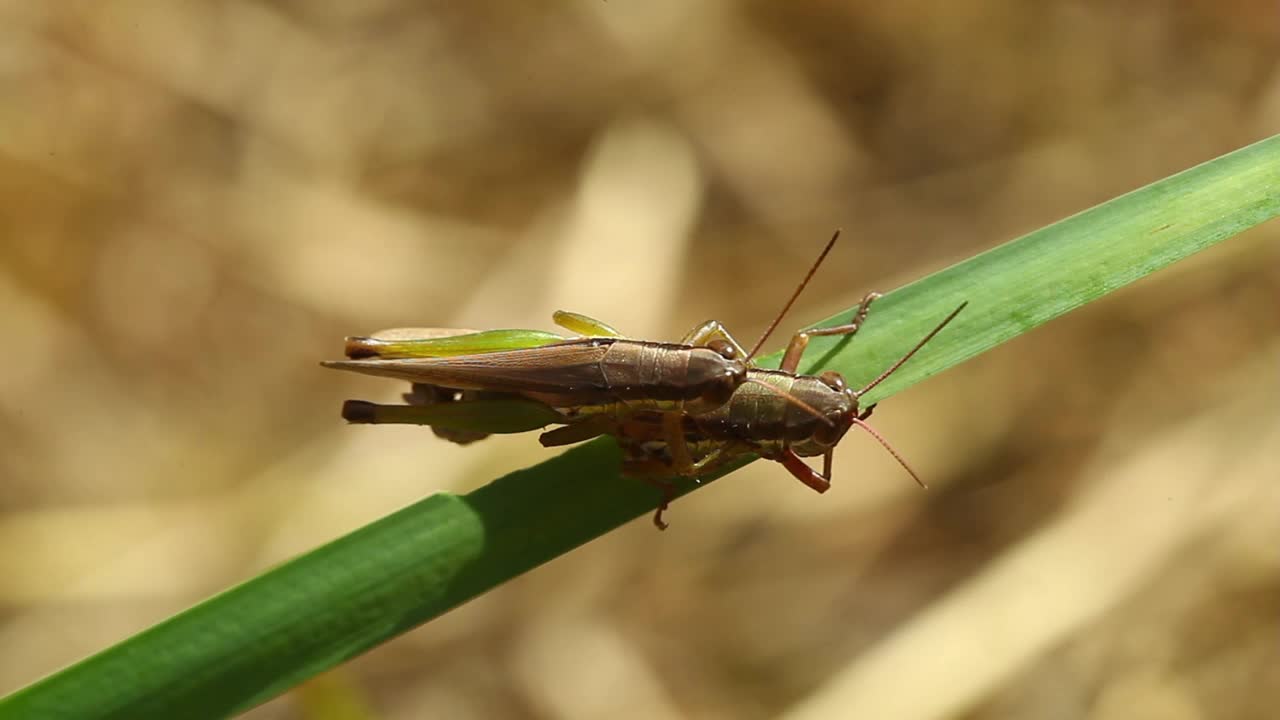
x=601 y=373
x=677 y=409
x=600 y=377
x=780 y=415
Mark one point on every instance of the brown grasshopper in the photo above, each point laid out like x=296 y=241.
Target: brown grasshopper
x=781 y=416
x=681 y=409
x=601 y=378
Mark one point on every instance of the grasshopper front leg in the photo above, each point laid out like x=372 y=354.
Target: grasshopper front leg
x=802 y=472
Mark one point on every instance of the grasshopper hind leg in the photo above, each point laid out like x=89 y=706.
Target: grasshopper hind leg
x=423 y=395
x=577 y=432
x=710 y=331
x=584 y=325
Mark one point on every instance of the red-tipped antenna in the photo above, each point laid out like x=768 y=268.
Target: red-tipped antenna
x=892 y=452
x=894 y=367
x=774 y=325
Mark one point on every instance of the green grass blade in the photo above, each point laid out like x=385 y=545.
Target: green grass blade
x=1024 y=283
x=254 y=641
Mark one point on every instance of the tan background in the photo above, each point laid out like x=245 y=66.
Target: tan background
x=200 y=199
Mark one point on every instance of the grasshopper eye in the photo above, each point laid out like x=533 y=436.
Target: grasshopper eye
x=723 y=349
x=833 y=380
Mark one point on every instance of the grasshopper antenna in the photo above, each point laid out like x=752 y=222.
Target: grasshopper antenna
x=793 y=400
x=894 y=367
x=774 y=325
x=894 y=453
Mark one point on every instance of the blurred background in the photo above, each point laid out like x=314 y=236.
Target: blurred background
x=201 y=199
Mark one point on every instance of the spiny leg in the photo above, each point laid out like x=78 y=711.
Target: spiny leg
x=800 y=341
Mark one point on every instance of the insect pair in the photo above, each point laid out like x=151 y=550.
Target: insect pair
x=676 y=409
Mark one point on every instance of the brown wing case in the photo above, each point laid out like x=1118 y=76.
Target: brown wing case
x=568 y=372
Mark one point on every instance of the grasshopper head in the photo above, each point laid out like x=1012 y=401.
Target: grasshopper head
x=724 y=377
x=839 y=414
x=842 y=416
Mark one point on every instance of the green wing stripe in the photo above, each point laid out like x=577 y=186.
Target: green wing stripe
x=470 y=344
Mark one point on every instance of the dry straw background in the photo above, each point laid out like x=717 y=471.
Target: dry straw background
x=200 y=199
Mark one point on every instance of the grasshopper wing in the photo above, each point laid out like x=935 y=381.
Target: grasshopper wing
x=398 y=343
x=563 y=374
